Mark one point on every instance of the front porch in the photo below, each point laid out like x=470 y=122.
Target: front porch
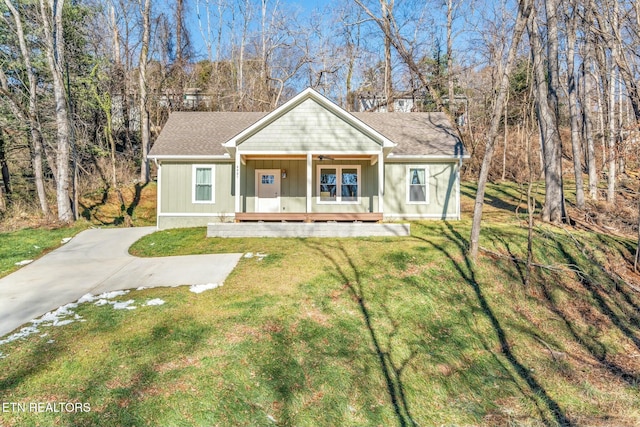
x=309 y=187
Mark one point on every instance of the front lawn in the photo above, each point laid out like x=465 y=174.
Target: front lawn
x=327 y=332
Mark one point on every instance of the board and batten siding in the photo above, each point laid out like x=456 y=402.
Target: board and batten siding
x=293 y=188
x=368 y=188
x=309 y=127
x=444 y=189
x=177 y=189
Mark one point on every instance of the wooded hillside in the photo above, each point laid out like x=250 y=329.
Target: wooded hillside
x=540 y=89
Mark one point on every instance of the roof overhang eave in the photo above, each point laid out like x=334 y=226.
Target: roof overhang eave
x=185 y=157
x=426 y=157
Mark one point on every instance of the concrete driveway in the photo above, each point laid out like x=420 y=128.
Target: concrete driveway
x=97 y=261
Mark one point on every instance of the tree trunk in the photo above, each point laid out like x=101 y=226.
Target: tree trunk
x=387 y=10
x=54 y=43
x=450 y=85
x=587 y=122
x=574 y=111
x=611 y=140
x=553 y=210
x=32 y=118
x=145 y=134
x=4 y=170
x=524 y=10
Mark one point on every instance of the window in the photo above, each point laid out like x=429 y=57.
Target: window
x=339 y=184
x=417 y=184
x=268 y=179
x=203 y=191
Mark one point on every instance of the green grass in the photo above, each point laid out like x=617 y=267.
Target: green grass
x=378 y=331
x=29 y=243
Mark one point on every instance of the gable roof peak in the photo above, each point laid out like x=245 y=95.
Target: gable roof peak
x=306 y=94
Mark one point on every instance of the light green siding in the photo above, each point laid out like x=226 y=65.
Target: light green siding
x=443 y=192
x=368 y=188
x=294 y=186
x=176 y=187
x=309 y=127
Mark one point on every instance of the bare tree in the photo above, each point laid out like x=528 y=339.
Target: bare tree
x=524 y=11
x=145 y=134
x=385 y=21
x=546 y=103
x=51 y=14
x=32 y=113
x=572 y=18
x=391 y=32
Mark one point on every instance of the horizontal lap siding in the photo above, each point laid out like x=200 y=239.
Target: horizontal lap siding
x=177 y=189
x=443 y=189
x=309 y=127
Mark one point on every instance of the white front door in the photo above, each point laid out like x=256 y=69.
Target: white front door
x=268 y=190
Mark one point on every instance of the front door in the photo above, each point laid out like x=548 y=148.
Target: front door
x=268 y=190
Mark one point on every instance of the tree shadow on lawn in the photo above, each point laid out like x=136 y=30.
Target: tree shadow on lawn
x=391 y=369
x=597 y=295
x=467 y=272
x=118 y=391
x=614 y=303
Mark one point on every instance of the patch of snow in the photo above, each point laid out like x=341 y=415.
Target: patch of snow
x=65 y=240
x=198 y=289
x=248 y=255
x=62 y=322
x=51 y=341
x=111 y=295
x=101 y=302
x=23 y=333
x=2 y=355
x=261 y=256
x=155 y=301
x=25 y=262
x=54 y=318
x=86 y=298
x=140 y=288
x=123 y=305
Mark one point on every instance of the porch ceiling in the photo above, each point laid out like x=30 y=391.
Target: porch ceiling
x=315 y=157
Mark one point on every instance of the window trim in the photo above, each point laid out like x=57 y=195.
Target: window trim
x=194 y=169
x=338 y=169
x=408 y=184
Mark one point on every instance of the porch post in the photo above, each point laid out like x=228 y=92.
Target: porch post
x=381 y=182
x=309 y=181
x=237 y=186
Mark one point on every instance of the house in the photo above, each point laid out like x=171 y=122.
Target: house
x=308 y=160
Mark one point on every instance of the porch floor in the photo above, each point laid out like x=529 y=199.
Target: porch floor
x=307 y=217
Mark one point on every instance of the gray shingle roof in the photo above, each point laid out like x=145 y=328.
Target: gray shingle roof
x=427 y=134
x=203 y=133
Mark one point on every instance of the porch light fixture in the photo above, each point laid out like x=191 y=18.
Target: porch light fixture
x=284 y=173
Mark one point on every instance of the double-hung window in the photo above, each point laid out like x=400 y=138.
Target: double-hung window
x=338 y=184
x=203 y=184
x=418 y=184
